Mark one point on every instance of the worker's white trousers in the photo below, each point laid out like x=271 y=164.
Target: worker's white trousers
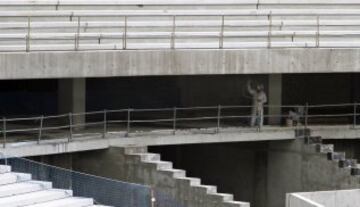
x=257 y=116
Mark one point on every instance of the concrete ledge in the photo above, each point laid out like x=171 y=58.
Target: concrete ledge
x=336 y=132
x=176 y=62
x=95 y=142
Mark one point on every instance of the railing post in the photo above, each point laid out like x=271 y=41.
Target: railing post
x=173 y=32
x=105 y=124
x=174 y=120
x=128 y=126
x=270 y=29
x=70 y=127
x=221 y=38
x=218 y=119
x=259 y=117
x=4 y=132
x=355 y=115
x=306 y=115
x=125 y=33
x=318 y=32
x=77 y=36
x=28 y=34
x=40 y=129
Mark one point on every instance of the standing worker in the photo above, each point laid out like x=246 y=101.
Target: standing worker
x=259 y=98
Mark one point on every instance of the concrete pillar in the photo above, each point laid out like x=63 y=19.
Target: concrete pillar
x=72 y=97
x=275 y=97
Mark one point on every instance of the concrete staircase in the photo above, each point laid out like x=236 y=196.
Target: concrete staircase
x=339 y=157
x=18 y=189
x=190 y=191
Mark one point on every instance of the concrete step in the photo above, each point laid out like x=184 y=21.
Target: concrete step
x=205 y=189
x=71 y=201
x=134 y=150
x=348 y=163
x=236 y=204
x=147 y=156
x=324 y=148
x=161 y=165
x=5 y=168
x=336 y=156
x=222 y=197
x=176 y=173
x=191 y=181
x=23 y=187
x=11 y=177
x=313 y=140
x=35 y=197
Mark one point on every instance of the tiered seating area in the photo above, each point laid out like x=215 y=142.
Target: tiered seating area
x=17 y=189
x=158 y=24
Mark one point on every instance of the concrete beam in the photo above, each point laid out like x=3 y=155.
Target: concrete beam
x=176 y=62
x=72 y=98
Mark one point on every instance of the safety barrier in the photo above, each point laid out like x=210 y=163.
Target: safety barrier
x=227 y=31
x=104 y=191
x=171 y=120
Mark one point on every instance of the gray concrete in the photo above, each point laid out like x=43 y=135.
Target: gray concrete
x=337 y=198
x=72 y=98
x=176 y=62
x=94 y=141
x=261 y=172
x=275 y=98
x=302 y=169
x=137 y=166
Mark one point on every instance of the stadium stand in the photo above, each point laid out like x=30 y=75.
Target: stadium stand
x=113 y=24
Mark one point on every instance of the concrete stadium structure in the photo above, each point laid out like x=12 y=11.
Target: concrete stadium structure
x=106 y=87
x=18 y=189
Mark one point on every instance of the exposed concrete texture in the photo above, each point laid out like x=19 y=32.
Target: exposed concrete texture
x=338 y=198
x=238 y=168
x=72 y=98
x=85 y=142
x=275 y=98
x=137 y=166
x=261 y=173
x=176 y=62
x=296 y=200
x=296 y=167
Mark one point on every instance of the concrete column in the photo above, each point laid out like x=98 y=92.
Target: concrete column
x=275 y=97
x=72 y=97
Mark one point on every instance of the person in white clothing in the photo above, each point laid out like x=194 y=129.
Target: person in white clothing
x=259 y=98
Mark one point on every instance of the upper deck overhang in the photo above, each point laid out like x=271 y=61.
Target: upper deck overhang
x=112 y=63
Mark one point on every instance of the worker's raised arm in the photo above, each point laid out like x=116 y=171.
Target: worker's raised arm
x=250 y=89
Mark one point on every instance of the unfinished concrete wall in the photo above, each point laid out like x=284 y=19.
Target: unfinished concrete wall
x=261 y=173
x=238 y=168
x=137 y=166
x=297 y=167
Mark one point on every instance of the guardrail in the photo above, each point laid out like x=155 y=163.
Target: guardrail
x=172 y=120
x=174 y=23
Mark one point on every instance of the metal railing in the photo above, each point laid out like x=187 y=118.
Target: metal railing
x=174 y=19
x=104 y=191
x=172 y=120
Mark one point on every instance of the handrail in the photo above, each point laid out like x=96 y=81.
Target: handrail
x=182 y=13
x=169 y=3
x=75 y=39
x=173 y=116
